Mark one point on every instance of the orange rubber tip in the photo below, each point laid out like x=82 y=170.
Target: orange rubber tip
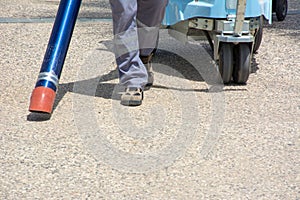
x=42 y=100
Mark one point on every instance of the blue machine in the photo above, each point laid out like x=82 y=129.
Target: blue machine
x=232 y=27
x=179 y=10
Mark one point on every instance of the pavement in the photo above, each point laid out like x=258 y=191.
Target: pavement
x=184 y=142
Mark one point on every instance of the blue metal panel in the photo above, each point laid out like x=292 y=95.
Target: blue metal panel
x=179 y=10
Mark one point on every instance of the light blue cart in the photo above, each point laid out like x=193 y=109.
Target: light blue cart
x=232 y=27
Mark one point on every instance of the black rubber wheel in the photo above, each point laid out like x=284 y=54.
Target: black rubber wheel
x=281 y=9
x=274 y=2
x=226 y=61
x=258 y=35
x=242 y=64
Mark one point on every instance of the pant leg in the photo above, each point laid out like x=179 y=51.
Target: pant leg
x=150 y=14
x=132 y=72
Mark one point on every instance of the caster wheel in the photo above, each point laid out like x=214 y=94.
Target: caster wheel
x=226 y=62
x=242 y=65
x=281 y=9
x=258 y=36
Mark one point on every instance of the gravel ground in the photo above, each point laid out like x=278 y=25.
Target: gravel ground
x=182 y=143
x=48 y=8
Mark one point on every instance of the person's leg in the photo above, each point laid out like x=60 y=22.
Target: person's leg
x=149 y=17
x=150 y=14
x=132 y=72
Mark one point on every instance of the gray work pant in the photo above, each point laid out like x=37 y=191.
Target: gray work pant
x=135 y=26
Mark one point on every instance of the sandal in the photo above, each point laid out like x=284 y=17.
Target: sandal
x=133 y=96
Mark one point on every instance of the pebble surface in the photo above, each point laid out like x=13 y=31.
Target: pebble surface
x=254 y=155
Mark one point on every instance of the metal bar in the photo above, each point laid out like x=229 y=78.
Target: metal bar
x=240 y=15
x=43 y=96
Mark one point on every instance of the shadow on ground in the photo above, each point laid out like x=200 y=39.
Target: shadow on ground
x=177 y=65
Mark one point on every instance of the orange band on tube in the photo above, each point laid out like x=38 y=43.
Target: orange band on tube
x=42 y=100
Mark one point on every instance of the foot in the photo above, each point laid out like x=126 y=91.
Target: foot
x=148 y=64
x=133 y=96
